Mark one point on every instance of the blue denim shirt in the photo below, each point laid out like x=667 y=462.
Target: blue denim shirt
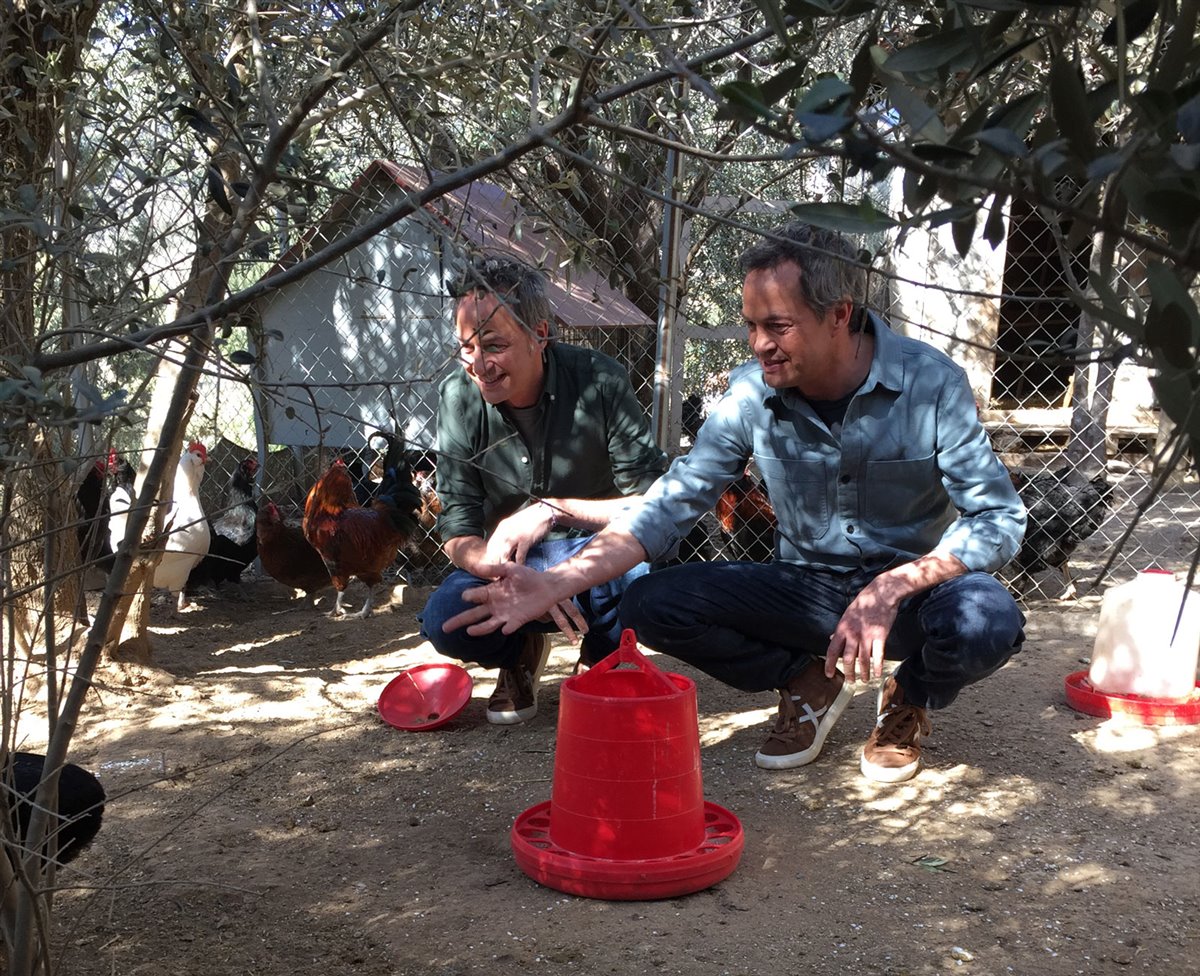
x=912 y=473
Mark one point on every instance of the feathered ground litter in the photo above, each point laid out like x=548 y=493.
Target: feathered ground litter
x=262 y=819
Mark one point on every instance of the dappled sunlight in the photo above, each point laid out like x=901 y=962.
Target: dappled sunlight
x=715 y=729
x=1119 y=736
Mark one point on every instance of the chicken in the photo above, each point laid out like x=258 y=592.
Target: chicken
x=286 y=555
x=232 y=544
x=424 y=548
x=187 y=529
x=1063 y=509
x=91 y=500
x=80 y=802
x=746 y=517
x=357 y=541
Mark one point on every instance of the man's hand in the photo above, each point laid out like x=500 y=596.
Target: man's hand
x=516 y=596
x=860 y=636
x=513 y=536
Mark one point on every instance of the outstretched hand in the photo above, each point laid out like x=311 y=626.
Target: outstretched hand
x=516 y=596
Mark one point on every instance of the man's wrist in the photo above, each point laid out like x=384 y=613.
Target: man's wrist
x=552 y=512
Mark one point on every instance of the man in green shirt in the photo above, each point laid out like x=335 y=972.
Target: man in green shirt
x=540 y=444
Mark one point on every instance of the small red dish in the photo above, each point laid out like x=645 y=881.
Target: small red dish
x=425 y=697
x=1083 y=697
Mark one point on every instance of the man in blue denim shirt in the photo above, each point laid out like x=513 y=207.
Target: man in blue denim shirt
x=540 y=444
x=892 y=512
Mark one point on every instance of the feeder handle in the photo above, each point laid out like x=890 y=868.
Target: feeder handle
x=627 y=653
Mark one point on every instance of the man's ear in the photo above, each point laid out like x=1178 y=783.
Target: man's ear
x=542 y=332
x=843 y=314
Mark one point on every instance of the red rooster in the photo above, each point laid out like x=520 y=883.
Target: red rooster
x=747 y=518
x=286 y=555
x=362 y=541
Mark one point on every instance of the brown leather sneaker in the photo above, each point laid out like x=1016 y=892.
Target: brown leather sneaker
x=808 y=707
x=893 y=750
x=515 y=697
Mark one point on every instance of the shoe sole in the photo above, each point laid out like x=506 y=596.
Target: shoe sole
x=808 y=755
x=888 y=774
x=524 y=714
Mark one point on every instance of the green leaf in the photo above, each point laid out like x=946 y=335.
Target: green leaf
x=783 y=83
x=1004 y=141
x=774 y=17
x=932 y=53
x=921 y=119
x=963 y=232
x=826 y=93
x=931 y=862
x=994 y=230
x=743 y=101
x=1138 y=15
x=849 y=218
x=1069 y=101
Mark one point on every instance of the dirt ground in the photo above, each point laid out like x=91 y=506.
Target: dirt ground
x=263 y=820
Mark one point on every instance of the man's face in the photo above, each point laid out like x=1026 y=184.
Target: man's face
x=795 y=346
x=503 y=359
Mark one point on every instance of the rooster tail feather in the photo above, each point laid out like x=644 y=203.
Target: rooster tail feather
x=397 y=493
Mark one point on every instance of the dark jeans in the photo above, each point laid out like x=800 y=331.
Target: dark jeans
x=599 y=606
x=755 y=625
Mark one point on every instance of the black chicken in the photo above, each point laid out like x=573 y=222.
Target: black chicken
x=91 y=501
x=80 y=802
x=1064 y=508
x=232 y=541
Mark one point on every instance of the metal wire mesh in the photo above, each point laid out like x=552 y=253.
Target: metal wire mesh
x=363 y=344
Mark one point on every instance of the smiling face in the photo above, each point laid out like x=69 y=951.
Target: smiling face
x=795 y=346
x=504 y=359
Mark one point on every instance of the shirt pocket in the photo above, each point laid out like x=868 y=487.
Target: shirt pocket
x=902 y=491
x=799 y=492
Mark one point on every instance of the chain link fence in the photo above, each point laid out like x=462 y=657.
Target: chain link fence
x=362 y=344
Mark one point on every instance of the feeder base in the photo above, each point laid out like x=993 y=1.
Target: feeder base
x=632 y=880
x=1145 y=711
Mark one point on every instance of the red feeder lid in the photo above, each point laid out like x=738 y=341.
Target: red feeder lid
x=1083 y=697
x=628 y=880
x=425 y=697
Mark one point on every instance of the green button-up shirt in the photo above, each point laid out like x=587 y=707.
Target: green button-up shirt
x=597 y=444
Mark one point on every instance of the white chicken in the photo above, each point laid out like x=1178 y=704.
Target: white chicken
x=188 y=533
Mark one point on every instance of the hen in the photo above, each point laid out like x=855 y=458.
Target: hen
x=80 y=802
x=232 y=544
x=746 y=517
x=91 y=500
x=358 y=541
x=187 y=529
x=1063 y=509
x=286 y=555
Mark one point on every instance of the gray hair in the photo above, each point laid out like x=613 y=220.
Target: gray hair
x=519 y=287
x=830 y=268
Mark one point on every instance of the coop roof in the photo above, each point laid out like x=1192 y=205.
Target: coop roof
x=485 y=218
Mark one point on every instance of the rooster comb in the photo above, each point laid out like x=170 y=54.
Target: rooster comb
x=197 y=448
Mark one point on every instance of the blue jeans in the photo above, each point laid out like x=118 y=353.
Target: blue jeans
x=756 y=625
x=598 y=605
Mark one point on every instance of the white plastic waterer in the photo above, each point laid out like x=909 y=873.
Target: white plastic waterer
x=1139 y=648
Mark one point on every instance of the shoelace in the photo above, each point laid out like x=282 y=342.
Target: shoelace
x=901 y=724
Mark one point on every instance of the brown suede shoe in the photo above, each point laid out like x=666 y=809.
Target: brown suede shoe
x=515 y=697
x=808 y=708
x=893 y=750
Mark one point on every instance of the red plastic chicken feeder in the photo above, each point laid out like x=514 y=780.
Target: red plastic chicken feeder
x=1084 y=697
x=425 y=697
x=627 y=819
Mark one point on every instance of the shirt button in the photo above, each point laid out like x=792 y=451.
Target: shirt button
x=849 y=530
x=524 y=460
x=844 y=479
